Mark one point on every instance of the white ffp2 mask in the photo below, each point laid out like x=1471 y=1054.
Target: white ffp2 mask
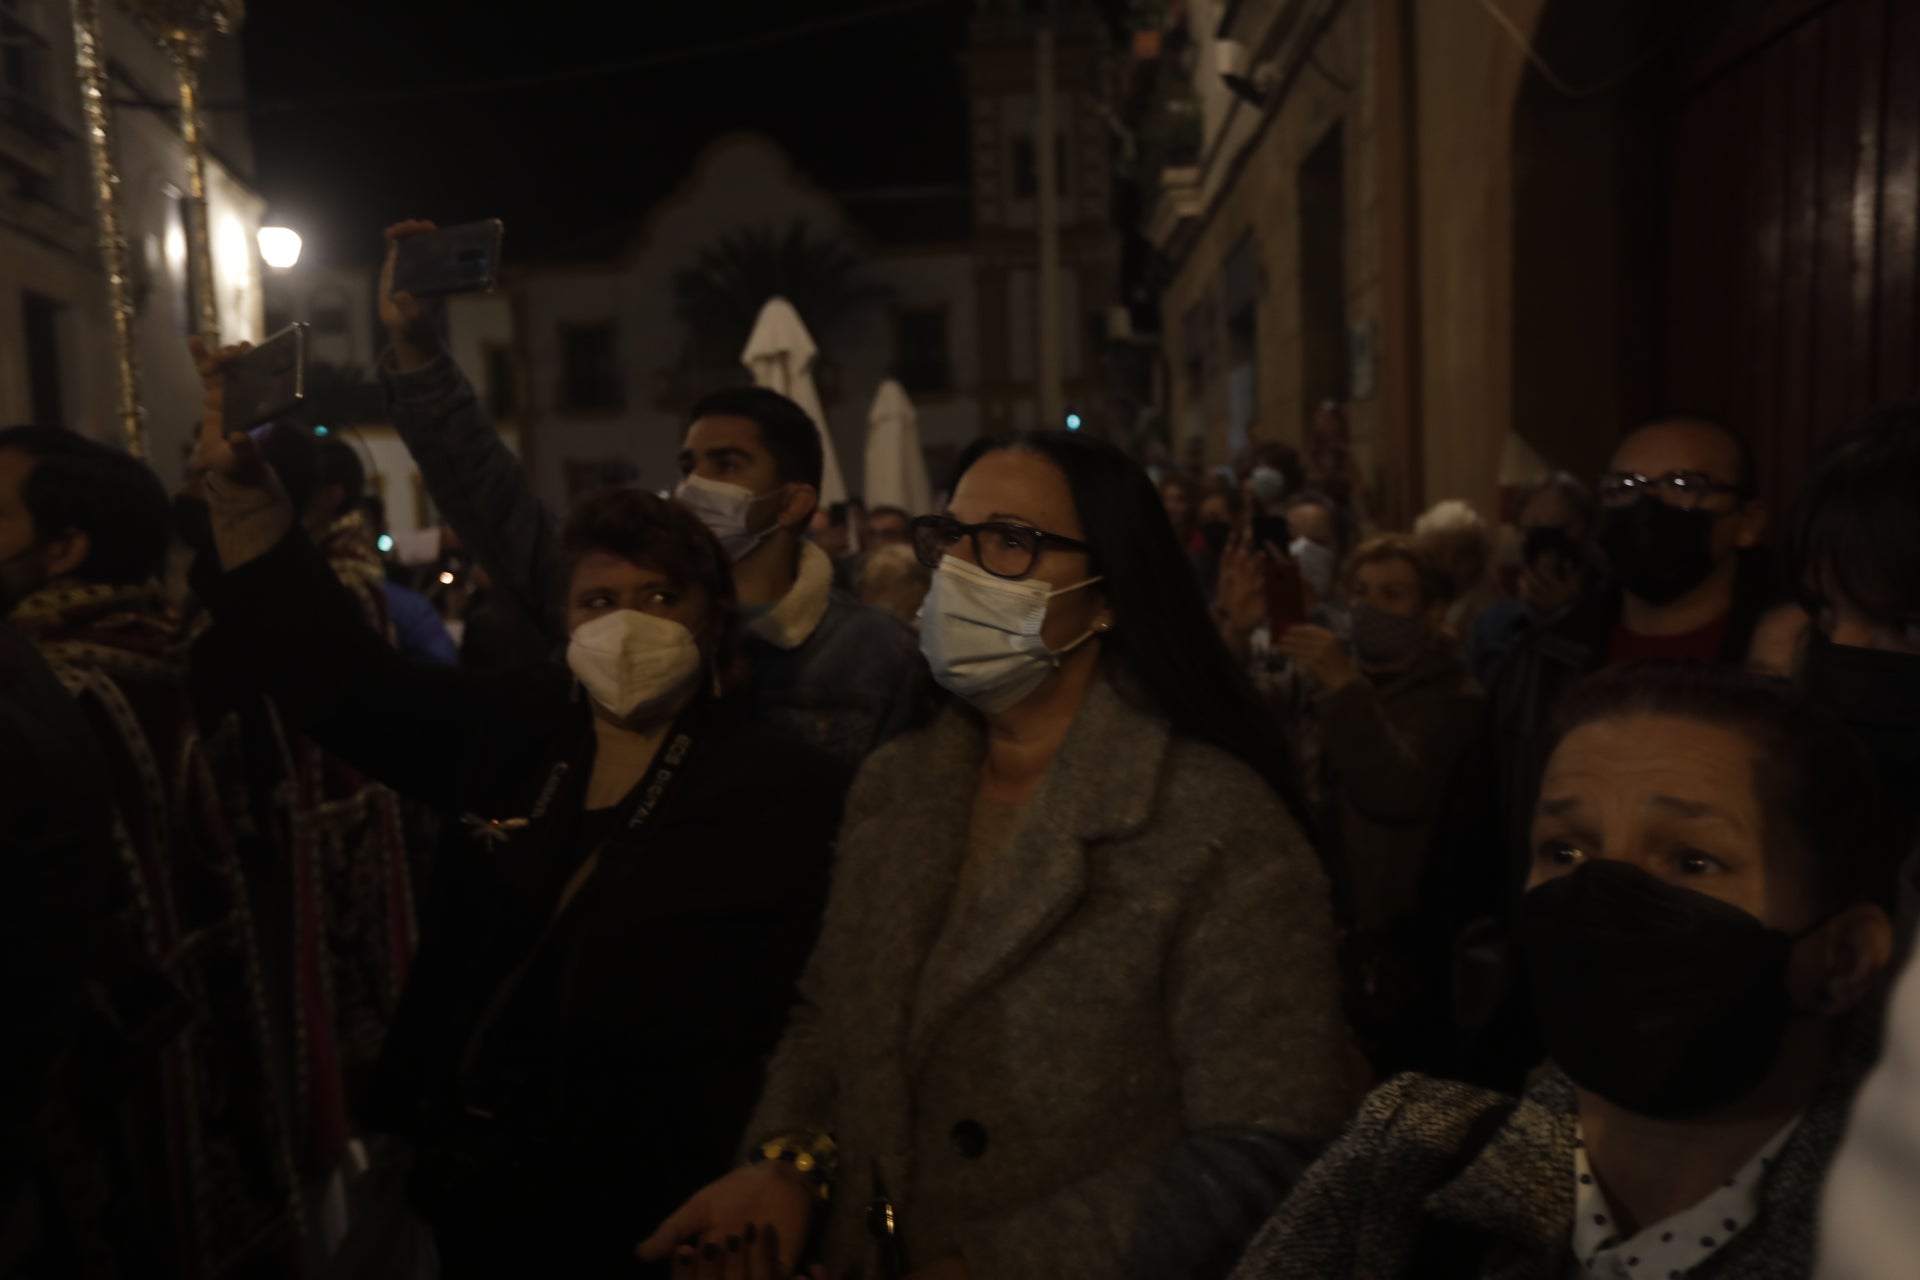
x=981 y=634
x=634 y=664
x=723 y=508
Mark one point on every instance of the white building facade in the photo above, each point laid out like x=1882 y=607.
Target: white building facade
x=57 y=364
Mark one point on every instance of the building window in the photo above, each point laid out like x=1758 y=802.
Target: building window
x=46 y=385
x=1240 y=299
x=1197 y=341
x=502 y=402
x=588 y=380
x=1323 y=273
x=920 y=340
x=23 y=52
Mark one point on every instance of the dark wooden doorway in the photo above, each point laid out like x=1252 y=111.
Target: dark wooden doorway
x=1793 y=161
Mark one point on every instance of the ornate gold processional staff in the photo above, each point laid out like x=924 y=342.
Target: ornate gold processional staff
x=90 y=64
x=183 y=28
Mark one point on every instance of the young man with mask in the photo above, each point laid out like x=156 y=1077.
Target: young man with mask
x=1704 y=933
x=842 y=676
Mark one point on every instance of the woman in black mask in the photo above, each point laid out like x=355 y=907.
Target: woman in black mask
x=1703 y=931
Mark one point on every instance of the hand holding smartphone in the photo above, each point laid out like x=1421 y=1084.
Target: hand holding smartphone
x=462 y=259
x=266 y=383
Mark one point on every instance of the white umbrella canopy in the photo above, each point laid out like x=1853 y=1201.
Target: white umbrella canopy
x=896 y=469
x=780 y=355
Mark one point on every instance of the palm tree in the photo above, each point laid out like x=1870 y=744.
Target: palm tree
x=719 y=297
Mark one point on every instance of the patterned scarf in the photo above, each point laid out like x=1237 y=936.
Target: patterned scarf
x=120 y=630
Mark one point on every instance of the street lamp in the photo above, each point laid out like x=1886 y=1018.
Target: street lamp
x=280 y=247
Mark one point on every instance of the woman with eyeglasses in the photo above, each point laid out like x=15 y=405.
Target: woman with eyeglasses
x=1078 y=958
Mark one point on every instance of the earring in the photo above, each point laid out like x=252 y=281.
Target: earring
x=1104 y=625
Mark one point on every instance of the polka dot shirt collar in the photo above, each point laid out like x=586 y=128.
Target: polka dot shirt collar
x=1666 y=1250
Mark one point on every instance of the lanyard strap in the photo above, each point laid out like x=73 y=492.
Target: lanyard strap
x=638 y=813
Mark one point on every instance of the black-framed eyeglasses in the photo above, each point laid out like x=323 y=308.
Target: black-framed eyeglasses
x=1683 y=489
x=1003 y=549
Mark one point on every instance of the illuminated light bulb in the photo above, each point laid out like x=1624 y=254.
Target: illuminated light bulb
x=386 y=543
x=1073 y=422
x=446 y=577
x=279 y=246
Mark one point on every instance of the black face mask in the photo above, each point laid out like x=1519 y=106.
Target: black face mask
x=1877 y=694
x=1661 y=1000
x=1658 y=552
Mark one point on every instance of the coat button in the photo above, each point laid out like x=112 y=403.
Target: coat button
x=970 y=1139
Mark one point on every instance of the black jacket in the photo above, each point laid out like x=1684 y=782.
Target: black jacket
x=64 y=887
x=570 y=1078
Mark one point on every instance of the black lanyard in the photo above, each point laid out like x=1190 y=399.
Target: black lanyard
x=639 y=812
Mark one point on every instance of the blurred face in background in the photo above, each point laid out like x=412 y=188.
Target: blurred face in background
x=1179 y=509
x=886 y=528
x=1311 y=521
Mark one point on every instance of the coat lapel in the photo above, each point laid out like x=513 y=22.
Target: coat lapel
x=1101 y=787
x=1519 y=1189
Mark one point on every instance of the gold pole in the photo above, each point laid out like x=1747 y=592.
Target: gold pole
x=183 y=27
x=92 y=70
x=186 y=62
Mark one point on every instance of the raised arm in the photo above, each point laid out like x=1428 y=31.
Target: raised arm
x=478 y=485
x=306 y=641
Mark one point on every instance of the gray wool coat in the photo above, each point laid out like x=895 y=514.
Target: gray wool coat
x=1149 y=963
x=1361 y=1211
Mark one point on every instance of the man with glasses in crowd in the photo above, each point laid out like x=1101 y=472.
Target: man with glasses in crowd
x=1680 y=526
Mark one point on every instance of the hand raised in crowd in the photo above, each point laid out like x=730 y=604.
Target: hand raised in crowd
x=234 y=457
x=769 y=1204
x=1319 y=653
x=1240 y=598
x=1549 y=588
x=411 y=323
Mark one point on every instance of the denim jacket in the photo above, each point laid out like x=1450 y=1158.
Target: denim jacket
x=853 y=683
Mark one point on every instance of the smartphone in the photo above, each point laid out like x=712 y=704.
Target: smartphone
x=1549 y=548
x=463 y=259
x=267 y=382
x=1271 y=531
x=1286 y=598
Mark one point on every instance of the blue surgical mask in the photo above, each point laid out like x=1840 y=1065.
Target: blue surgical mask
x=981 y=634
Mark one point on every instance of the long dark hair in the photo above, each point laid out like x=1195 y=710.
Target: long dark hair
x=1163 y=638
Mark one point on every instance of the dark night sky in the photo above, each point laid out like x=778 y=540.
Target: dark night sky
x=874 y=103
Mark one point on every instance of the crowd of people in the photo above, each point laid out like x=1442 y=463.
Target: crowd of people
x=1121 y=870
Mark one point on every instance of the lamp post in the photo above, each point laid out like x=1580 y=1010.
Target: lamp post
x=183 y=28
x=90 y=65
